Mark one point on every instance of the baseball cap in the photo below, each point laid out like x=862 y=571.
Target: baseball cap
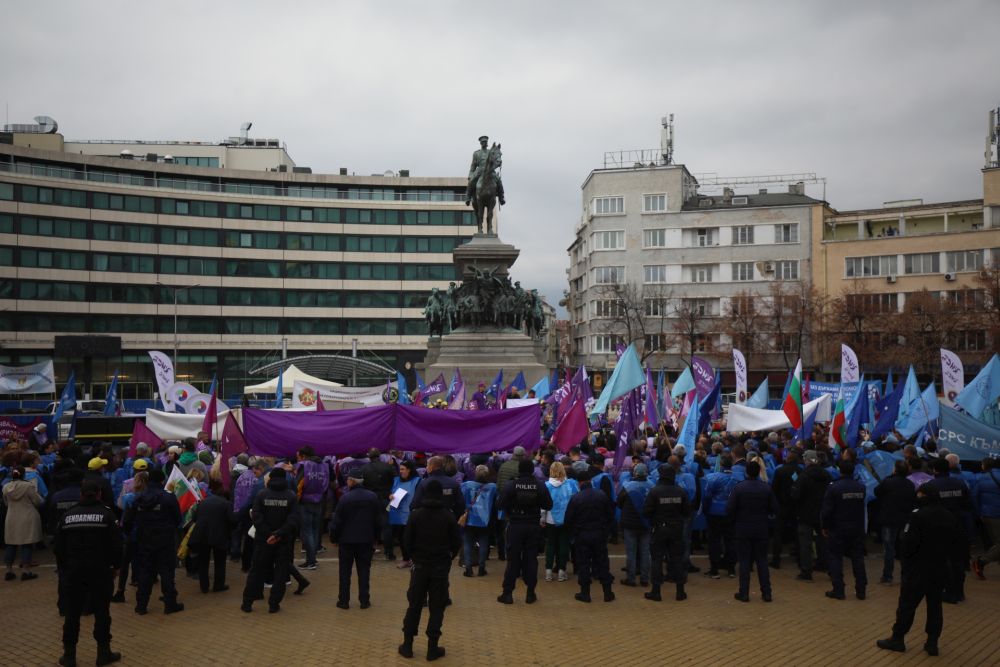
x=140 y=464
x=96 y=463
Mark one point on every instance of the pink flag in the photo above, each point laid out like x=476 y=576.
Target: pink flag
x=572 y=428
x=211 y=413
x=232 y=444
x=141 y=433
x=319 y=402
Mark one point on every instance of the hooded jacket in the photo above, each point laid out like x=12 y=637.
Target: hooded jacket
x=23 y=524
x=808 y=492
x=431 y=536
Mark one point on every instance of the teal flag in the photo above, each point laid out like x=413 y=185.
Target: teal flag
x=628 y=375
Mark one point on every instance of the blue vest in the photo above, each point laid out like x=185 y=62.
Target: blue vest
x=637 y=492
x=560 y=499
x=479 y=500
x=398 y=516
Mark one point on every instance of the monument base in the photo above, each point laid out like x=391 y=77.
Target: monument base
x=481 y=353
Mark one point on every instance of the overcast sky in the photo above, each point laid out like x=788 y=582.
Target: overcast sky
x=887 y=100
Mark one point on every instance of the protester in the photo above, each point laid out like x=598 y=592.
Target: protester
x=22 y=525
x=667 y=508
x=556 y=534
x=718 y=486
x=590 y=515
x=275 y=519
x=354 y=528
x=379 y=477
x=213 y=519
x=897 y=498
x=432 y=539
x=480 y=500
x=523 y=499
x=843 y=523
x=784 y=521
x=139 y=484
x=312 y=480
x=405 y=484
x=749 y=505
x=154 y=517
x=808 y=492
x=986 y=500
x=635 y=526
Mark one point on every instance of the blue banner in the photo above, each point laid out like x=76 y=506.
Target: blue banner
x=970 y=438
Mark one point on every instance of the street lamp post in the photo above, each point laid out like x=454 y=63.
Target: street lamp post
x=176 y=289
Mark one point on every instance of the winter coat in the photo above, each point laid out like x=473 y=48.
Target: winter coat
x=24 y=523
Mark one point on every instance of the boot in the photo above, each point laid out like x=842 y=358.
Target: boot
x=584 y=594
x=406 y=648
x=653 y=594
x=468 y=572
x=104 y=654
x=609 y=595
x=681 y=595
x=68 y=658
x=891 y=644
x=433 y=650
x=531 y=598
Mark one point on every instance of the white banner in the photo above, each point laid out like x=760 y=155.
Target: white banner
x=849 y=371
x=740 y=366
x=33 y=379
x=304 y=395
x=176 y=426
x=953 y=376
x=520 y=402
x=163 y=370
x=742 y=419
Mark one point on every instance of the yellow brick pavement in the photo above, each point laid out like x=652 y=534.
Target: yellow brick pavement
x=801 y=626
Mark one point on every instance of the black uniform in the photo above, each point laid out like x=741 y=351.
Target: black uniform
x=275 y=513
x=843 y=517
x=354 y=527
x=954 y=496
x=667 y=509
x=589 y=517
x=522 y=500
x=58 y=503
x=749 y=505
x=155 y=517
x=88 y=549
x=784 y=521
x=808 y=492
x=926 y=545
x=432 y=540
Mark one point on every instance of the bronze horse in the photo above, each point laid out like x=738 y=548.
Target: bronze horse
x=485 y=198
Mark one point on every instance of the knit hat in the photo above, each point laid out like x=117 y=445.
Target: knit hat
x=810 y=457
x=187 y=458
x=206 y=457
x=640 y=471
x=580 y=467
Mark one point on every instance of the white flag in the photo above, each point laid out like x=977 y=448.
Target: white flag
x=952 y=374
x=163 y=369
x=849 y=371
x=740 y=365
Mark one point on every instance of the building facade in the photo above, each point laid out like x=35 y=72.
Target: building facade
x=102 y=237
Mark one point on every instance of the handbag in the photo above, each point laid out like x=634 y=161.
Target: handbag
x=464 y=519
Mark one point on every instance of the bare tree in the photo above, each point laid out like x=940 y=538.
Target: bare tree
x=744 y=320
x=988 y=280
x=691 y=325
x=635 y=313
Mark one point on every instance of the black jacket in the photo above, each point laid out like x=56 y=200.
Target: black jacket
x=431 y=535
x=844 y=507
x=107 y=495
x=667 y=507
x=782 y=482
x=214 y=520
x=356 y=519
x=523 y=499
x=897 y=498
x=88 y=539
x=589 y=512
x=378 y=478
x=931 y=537
x=808 y=492
x=275 y=511
x=59 y=502
x=155 y=516
x=451 y=493
x=749 y=505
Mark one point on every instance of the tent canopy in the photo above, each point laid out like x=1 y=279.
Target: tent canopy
x=288 y=379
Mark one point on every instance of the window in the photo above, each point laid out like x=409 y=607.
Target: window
x=181 y=236
x=197 y=161
x=655 y=342
x=52 y=291
x=326 y=242
x=701 y=274
x=109 y=293
x=743 y=235
x=964 y=260
x=967 y=299
x=970 y=341
x=702 y=307
x=743 y=305
x=654 y=238
x=193 y=265
x=656 y=307
x=609 y=205
x=609 y=275
x=654 y=273
x=704 y=237
x=864 y=267
x=604 y=344
x=785 y=343
x=742 y=270
x=927 y=262
x=252 y=297
x=75 y=229
x=250 y=326
x=886 y=302
x=124 y=263
x=702 y=343
x=422 y=272
x=6 y=224
x=314 y=327
x=654 y=203
x=612 y=308
x=252 y=268
x=131 y=233
x=7 y=191
x=262 y=240
x=609 y=240
x=320 y=270
x=786 y=233
x=53 y=259
x=786 y=269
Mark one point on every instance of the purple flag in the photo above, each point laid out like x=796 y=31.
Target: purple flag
x=628 y=420
x=231 y=444
x=435 y=387
x=704 y=376
x=652 y=415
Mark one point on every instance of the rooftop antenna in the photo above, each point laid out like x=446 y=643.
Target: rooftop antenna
x=245 y=131
x=667 y=139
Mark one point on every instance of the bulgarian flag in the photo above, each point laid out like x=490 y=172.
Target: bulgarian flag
x=793 y=399
x=186 y=491
x=838 y=435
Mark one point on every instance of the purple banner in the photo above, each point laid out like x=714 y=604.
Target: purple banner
x=408 y=428
x=704 y=376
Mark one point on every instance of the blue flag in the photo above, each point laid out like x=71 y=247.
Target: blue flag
x=922 y=410
x=541 y=388
x=760 y=397
x=683 y=384
x=402 y=389
x=888 y=383
x=111 y=400
x=661 y=394
x=888 y=409
x=496 y=386
x=982 y=391
x=857 y=413
x=911 y=394
x=519 y=382
x=67 y=400
x=628 y=375
x=707 y=406
x=279 y=393
x=689 y=434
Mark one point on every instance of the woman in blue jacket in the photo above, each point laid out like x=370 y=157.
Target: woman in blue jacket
x=399 y=515
x=480 y=498
x=556 y=534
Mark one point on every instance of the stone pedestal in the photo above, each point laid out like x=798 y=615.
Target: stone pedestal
x=485 y=252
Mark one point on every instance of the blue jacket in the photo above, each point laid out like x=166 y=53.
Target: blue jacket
x=843 y=509
x=560 y=499
x=750 y=504
x=718 y=486
x=451 y=492
x=986 y=496
x=398 y=516
x=479 y=499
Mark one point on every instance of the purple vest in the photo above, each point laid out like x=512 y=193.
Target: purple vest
x=316 y=480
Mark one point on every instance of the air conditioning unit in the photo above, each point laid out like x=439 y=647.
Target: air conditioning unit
x=949 y=277
x=890 y=279
x=768 y=267
x=740 y=201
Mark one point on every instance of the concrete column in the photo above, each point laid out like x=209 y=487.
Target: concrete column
x=862 y=232
x=946 y=221
x=902 y=225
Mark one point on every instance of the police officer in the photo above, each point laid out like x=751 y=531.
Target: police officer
x=155 y=516
x=431 y=538
x=88 y=549
x=354 y=527
x=451 y=490
x=843 y=523
x=667 y=508
x=749 y=505
x=954 y=495
x=275 y=516
x=522 y=500
x=927 y=543
x=589 y=517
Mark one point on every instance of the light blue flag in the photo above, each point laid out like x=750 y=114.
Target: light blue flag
x=67 y=400
x=982 y=391
x=404 y=391
x=279 y=392
x=911 y=395
x=922 y=410
x=683 y=385
x=689 y=433
x=760 y=397
x=541 y=388
x=111 y=401
x=628 y=375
